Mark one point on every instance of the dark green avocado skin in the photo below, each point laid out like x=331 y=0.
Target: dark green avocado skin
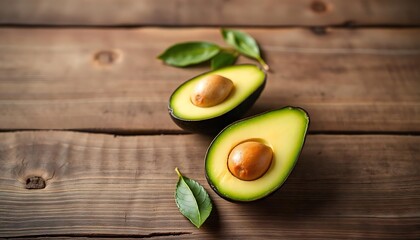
x=242 y=202
x=214 y=125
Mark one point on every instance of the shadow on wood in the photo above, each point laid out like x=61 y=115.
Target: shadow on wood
x=213 y=224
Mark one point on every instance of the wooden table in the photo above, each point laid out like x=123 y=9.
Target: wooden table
x=87 y=148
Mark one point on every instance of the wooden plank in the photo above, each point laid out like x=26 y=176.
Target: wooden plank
x=358 y=186
x=210 y=13
x=110 y=80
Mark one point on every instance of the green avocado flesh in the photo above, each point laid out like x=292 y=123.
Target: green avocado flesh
x=246 y=79
x=283 y=130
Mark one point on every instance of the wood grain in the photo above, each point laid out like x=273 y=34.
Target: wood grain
x=210 y=13
x=110 y=80
x=342 y=187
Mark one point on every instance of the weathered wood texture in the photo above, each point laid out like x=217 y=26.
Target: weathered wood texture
x=110 y=80
x=214 y=13
x=342 y=187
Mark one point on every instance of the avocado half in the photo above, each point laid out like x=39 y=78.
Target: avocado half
x=283 y=130
x=249 y=82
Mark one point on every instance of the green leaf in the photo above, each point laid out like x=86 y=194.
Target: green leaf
x=244 y=43
x=192 y=200
x=189 y=53
x=223 y=59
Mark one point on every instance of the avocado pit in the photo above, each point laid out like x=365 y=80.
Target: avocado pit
x=211 y=91
x=250 y=160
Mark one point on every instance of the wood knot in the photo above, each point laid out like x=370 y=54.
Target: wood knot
x=318 y=6
x=35 y=182
x=105 y=57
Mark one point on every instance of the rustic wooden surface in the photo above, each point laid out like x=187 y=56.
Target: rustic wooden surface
x=364 y=79
x=346 y=186
x=210 y=13
x=91 y=66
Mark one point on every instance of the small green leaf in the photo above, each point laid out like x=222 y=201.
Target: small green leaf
x=244 y=43
x=192 y=200
x=223 y=59
x=189 y=53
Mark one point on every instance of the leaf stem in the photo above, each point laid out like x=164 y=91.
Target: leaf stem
x=178 y=172
x=264 y=65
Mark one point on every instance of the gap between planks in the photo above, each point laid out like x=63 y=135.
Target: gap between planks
x=103 y=236
x=314 y=28
x=123 y=133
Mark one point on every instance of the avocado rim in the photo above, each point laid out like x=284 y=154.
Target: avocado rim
x=292 y=168
x=213 y=125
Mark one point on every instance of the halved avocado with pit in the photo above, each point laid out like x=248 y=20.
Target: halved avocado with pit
x=248 y=82
x=283 y=131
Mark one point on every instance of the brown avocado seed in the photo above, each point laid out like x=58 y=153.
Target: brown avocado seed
x=250 y=160
x=211 y=90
